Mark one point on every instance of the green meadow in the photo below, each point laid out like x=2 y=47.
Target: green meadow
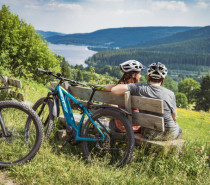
x=66 y=166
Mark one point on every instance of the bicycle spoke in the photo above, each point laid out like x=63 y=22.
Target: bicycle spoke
x=22 y=134
x=117 y=147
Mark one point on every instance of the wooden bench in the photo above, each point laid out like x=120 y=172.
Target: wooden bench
x=150 y=117
x=15 y=83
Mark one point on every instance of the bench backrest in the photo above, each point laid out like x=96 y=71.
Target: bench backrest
x=11 y=82
x=151 y=110
x=15 y=83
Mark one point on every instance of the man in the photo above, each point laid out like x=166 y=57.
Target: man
x=156 y=76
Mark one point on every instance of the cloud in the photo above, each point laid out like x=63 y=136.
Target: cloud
x=132 y=12
x=106 y=1
x=31 y=6
x=50 y=5
x=71 y=6
x=80 y=16
x=203 y=4
x=170 y=5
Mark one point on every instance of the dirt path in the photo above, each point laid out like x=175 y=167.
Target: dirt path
x=4 y=179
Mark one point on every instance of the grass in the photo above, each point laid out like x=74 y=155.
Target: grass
x=66 y=166
x=53 y=166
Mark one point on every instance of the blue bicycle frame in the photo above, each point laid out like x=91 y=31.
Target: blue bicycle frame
x=68 y=114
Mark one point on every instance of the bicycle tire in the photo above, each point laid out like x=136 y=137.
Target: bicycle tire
x=98 y=150
x=22 y=144
x=46 y=115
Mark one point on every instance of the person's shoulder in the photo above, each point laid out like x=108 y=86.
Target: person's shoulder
x=141 y=84
x=168 y=91
x=137 y=84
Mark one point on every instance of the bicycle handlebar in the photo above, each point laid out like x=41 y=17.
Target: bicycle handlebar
x=73 y=82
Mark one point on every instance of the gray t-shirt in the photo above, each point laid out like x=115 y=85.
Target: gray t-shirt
x=158 y=92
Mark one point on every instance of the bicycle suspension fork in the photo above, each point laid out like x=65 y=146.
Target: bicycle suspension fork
x=3 y=127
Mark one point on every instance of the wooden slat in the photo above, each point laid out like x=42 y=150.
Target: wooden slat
x=15 y=83
x=144 y=120
x=147 y=104
x=148 y=121
x=20 y=96
x=53 y=84
x=65 y=85
x=10 y=81
x=17 y=95
x=128 y=104
x=18 y=84
x=101 y=96
x=4 y=80
x=142 y=103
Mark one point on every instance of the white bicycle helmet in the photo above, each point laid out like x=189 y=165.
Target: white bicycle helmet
x=157 y=70
x=131 y=65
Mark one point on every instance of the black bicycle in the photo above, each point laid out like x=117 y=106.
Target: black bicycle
x=96 y=135
x=18 y=143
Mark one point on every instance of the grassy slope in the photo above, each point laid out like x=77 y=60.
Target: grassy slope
x=65 y=166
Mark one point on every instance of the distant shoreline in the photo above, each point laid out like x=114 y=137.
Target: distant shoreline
x=74 y=54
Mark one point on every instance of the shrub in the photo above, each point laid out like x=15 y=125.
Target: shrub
x=181 y=100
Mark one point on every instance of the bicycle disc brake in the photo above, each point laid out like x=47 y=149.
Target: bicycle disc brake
x=104 y=145
x=12 y=135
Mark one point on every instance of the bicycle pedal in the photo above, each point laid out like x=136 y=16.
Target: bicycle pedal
x=59 y=146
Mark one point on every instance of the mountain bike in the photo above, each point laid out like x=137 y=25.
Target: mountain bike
x=18 y=144
x=93 y=131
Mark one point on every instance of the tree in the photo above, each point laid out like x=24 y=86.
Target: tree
x=181 y=100
x=189 y=87
x=65 y=68
x=79 y=76
x=203 y=95
x=22 y=49
x=169 y=83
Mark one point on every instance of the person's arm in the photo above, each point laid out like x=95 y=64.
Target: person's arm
x=174 y=116
x=174 y=110
x=109 y=87
x=119 y=89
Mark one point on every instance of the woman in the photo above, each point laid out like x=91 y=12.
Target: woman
x=131 y=74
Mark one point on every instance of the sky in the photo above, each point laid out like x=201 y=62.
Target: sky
x=83 y=16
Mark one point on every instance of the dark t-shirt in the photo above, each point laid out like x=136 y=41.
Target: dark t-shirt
x=159 y=92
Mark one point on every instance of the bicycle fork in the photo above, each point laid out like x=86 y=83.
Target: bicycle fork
x=4 y=133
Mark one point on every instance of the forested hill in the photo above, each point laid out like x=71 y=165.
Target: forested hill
x=179 y=37
x=46 y=34
x=118 y=37
x=193 y=46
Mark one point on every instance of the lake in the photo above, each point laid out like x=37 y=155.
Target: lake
x=73 y=54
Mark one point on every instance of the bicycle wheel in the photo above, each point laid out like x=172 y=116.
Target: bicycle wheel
x=21 y=144
x=117 y=149
x=44 y=109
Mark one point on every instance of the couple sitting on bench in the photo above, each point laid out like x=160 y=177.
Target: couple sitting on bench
x=156 y=76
